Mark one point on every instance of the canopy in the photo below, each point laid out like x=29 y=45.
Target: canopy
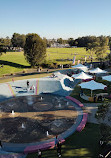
x=97 y=70
x=80 y=66
x=107 y=78
x=82 y=75
x=92 y=85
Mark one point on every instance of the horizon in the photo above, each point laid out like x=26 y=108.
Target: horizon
x=56 y=19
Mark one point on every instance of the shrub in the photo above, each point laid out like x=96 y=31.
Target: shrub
x=12 y=74
x=24 y=71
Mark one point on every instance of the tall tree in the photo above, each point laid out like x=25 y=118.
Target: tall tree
x=5 y=44
x=102 y=48
x=60 y=41
x=18 y=40
x=34 y=49
x=92 y=46
x=71 y=42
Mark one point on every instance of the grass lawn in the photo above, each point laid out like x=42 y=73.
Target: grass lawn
x=83 y=144
x=57 y=54
x=15 y=61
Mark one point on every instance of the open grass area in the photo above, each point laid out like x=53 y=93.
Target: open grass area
x=78 y=145
x=59 y=54
x=15 y=61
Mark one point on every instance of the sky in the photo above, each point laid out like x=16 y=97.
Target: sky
x=55 y=18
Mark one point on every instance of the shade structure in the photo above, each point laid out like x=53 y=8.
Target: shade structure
x=82 y=75
x=80 y=66
x=97 y=70
x=107 y=78
x=92 y=85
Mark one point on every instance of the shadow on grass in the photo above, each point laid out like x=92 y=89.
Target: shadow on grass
x=13 y=64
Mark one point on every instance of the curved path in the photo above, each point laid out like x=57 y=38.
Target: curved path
x=60 y=85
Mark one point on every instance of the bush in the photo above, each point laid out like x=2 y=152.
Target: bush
x=44 y=65
x=52 y=66
x=24 y=71
x=12 y=74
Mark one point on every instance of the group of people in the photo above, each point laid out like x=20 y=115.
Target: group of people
x=99 y=98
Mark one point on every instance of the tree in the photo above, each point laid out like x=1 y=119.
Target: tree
x=71 y=42
x=102 y=112
x=60 y=41
x=92 y=46
x=2 y=50
x=102 y=48
x=34 y=49
x=5 y=44
x=18 y=40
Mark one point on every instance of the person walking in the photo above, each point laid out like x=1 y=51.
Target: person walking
x=56 y=141
x=39 y=154
x=59 y=148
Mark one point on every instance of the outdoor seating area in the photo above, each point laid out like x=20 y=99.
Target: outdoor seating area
x=87 y=82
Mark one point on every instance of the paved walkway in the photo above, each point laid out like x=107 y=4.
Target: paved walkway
x=92 y=109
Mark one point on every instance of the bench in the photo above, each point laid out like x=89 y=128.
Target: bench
x=45 y=146
x=75 y=101
x=83 y=122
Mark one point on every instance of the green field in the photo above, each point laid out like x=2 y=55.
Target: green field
x=15 y=61
x=57 y=54
x=78 y=145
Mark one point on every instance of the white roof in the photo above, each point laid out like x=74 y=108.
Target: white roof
x=92 y=85
x=80 y=66
x=81 y=75
x=97 y=70
x=107 y=78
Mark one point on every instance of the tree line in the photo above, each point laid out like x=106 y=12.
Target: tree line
x=18 y=40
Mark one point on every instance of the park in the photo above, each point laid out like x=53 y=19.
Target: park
x=50 y=105
x=55 y=79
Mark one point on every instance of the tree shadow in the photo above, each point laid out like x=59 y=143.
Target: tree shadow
x=13 y=64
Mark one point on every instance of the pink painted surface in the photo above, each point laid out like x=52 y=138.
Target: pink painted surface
x=83 y=122
x=35 y=148
x=75 y=100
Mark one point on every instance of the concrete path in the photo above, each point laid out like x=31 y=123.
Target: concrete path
x=92 y=109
